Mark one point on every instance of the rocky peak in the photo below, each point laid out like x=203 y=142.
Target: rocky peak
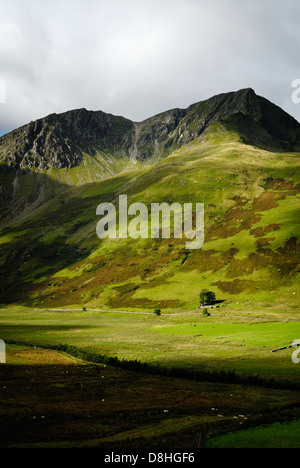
x=61 y=140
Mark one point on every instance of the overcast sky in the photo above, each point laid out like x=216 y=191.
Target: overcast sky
x=137 y=58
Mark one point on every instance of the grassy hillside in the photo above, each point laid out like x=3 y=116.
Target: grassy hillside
x=53 y=257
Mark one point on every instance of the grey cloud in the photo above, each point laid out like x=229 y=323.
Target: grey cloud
x=140 y=57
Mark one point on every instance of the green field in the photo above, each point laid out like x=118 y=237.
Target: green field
x=225 y=341
x=274 y=436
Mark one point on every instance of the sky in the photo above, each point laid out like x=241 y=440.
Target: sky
x=137 y=58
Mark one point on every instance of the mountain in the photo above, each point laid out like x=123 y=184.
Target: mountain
x=61 y=141
x=236 y=152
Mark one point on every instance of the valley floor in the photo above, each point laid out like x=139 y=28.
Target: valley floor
x=50 y=400
x=237 y=340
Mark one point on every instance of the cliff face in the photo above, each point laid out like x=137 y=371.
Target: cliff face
x=61 y=141
x=259 y=122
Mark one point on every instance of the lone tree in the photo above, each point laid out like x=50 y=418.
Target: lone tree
x=207 y=297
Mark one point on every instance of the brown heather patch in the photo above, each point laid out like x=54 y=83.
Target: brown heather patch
x=242 y=267
x=240 y=218
x=281 y=185
x=289 y=258
x=291 y=246
x=227 y=257
x=262 y=231
x=263 y=242
x=234 y=222
x=267 y=201
x=238 y=286
x=283 y=262
x=204 y=260
x=127 y=288
x=144 y=303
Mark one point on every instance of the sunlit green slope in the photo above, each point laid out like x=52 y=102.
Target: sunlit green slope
x=53 y=257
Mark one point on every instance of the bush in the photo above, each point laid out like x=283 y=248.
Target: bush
x=206 y=313
x=157 y=312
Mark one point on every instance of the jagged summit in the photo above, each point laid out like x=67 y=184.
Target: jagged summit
x=61 y=140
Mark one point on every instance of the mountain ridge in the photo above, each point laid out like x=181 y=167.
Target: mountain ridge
x=62 y=140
